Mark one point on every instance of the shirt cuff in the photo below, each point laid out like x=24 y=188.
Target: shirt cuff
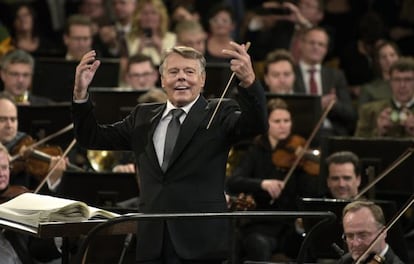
x=81 y=101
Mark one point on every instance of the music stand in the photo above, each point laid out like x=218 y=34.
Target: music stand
x=111 y=105
x=217 y=76
x=378 y=154
x=332 y=232
x=42 y=121
x=54 y=77
x=104 y=190
x=305 y=110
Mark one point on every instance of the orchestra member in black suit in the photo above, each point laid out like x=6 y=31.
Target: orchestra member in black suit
x=190 y=178
x=362 y=222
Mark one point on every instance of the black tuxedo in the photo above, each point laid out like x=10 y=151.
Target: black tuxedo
x=194 y=179
x=342 y=115
x=390 y=258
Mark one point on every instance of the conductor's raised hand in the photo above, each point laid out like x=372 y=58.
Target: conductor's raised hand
x=241 y=64
x=85 y=71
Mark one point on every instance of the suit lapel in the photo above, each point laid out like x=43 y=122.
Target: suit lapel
x=150 y=149
x=191 y=123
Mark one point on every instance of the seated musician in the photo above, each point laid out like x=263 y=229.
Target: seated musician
x=17 y=69
x=11 y=138
x=343 y=175
x=260 y=175
x=391 y=118
x=362 y=222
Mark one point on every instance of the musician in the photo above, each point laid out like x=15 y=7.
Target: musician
x=362 y=222
x=260 y=175
x=391 y=118
x=279 y=73
x=192 y=179
x=17 y=69
x=11 y=137
x=344 y=175
x=14 y=250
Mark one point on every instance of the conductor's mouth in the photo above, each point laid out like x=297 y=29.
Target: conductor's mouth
x=181 y=88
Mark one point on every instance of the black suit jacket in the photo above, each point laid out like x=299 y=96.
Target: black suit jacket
x=390 y=258
x=194 y=180
x=343 y=115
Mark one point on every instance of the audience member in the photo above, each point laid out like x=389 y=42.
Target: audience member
x=261 y=173
x=220 y=29
x=362 y=223
x=27 y=36
x=149 y=34
x=279 y=73
x=78 y=37
x=114 y=36
x=276 y=25
x=314 y=78
x=391 y=117
x=191 y=34
x=140 y=73
x=386 y=53
x=344 y=175
x=5 y=40
x=96 y=11
x=357 y=57
x=17 y=69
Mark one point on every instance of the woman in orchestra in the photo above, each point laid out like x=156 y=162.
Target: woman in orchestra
x=261 y=173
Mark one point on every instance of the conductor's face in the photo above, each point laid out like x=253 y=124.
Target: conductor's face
x=182 y=79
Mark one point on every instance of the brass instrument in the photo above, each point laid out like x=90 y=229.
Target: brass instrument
x=22 y=99
x=103 y=160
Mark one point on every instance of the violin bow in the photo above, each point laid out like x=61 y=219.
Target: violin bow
x=392 y=166
x=65 y=153
x=386 y=228
x=45 y=139
x=224 y=92
x=308 y=141
x=306 y=146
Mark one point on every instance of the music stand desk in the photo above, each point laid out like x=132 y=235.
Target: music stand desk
x=66 y=230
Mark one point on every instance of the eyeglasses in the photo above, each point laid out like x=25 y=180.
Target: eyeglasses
x=140 y=75
x=14 y=74
x=360 y=236
x=402 y=80
x=3 y=119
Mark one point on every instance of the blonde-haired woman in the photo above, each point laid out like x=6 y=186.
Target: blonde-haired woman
x=149 y=34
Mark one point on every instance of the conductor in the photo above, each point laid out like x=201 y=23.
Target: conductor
x=181 y=161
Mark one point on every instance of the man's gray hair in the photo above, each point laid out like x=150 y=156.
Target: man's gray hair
x=17 y=56
x=186 y=52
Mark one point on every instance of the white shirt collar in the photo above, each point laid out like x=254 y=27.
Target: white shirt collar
x=305 y=67
x=170 y=106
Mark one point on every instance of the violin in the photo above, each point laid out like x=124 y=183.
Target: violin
x=35 y=161
x=29 y=160
x=367 y=257
x=12 y=191
x=242 y=202
x=285 y=156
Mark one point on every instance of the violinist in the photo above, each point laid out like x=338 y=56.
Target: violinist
x=362 y=222
x=344 y=175
x=13 y=246
x=11 y=137
x=260 y=175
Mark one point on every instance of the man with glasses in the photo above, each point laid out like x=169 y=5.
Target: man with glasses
x=391 y=118
x=362 y=222
x=78 y=37
x=141 y=73
x=16 y=73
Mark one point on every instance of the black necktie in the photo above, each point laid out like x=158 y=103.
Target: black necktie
x=171 y=137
